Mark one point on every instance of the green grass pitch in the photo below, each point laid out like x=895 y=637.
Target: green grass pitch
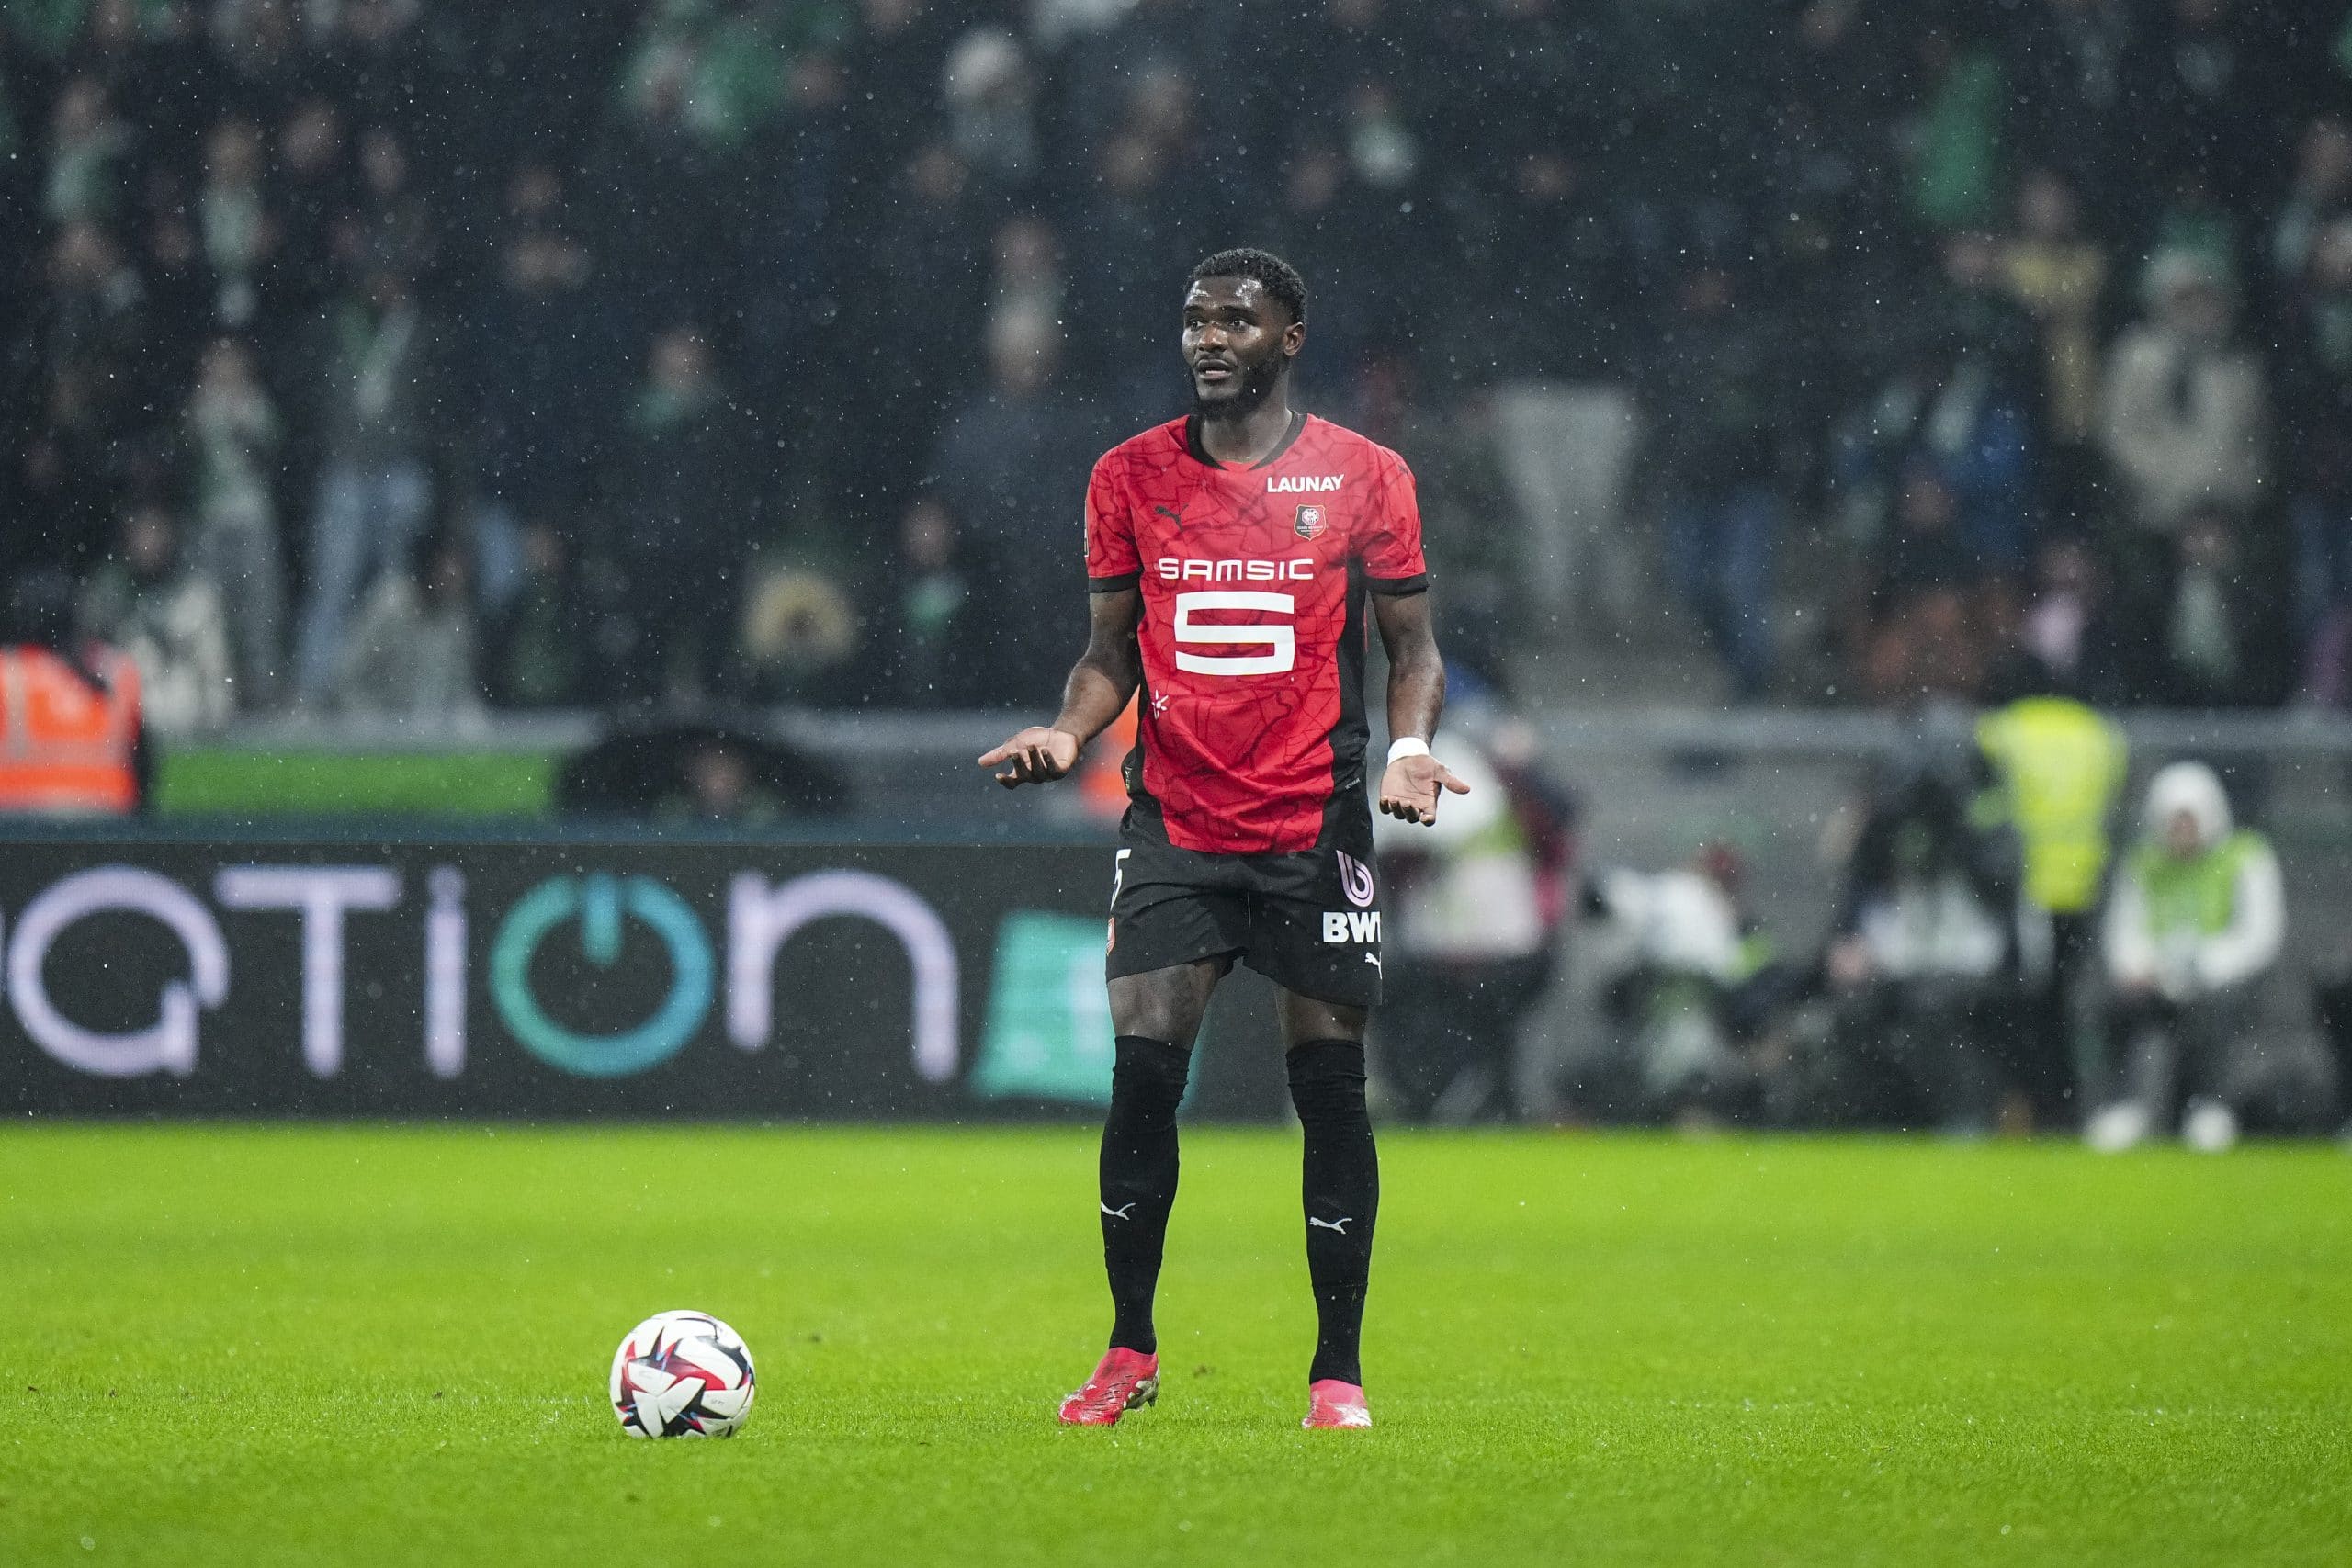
x=324 y=1345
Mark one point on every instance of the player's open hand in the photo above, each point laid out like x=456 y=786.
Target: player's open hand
x=1036 y=755
x=1410 y=787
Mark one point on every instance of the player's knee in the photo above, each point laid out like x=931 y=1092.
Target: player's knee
x=1147 y=1077
x=1327 y=1083
x=1306 y=1019
x=1165 y=1005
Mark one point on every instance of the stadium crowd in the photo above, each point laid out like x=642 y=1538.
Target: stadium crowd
x=2017 y=942
x=396 y=355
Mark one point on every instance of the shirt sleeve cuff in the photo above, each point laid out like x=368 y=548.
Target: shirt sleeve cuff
x=1119 y=583
x=1399 y=587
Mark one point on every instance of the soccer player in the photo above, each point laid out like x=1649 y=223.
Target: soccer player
x=1231 y=556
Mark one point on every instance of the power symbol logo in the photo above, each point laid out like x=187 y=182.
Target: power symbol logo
x=600 y=903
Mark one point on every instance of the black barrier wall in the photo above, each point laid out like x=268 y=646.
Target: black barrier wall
x=556 y=979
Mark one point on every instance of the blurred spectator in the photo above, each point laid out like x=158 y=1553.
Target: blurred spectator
x=912 y=341
x=932 y=621
x=669 y=547
x=1458 y=476
x=2056 y=768
x=2332 y=1002
x=1020 y=439
x=92 y=326
x=1956 y=142
x=801 y=627
x=413 y=647
x=1924 y=627
x=1958 y=407
x=258 y=49
x=1923 y=962
x=793 y=183
x=89 y=150
x=382 y=391
x=2207 y=90
x=535 y=365
x=2193 y=933
x=844 y=196
x=391 y=227
x=73 y=741
x=156 y=604
x=311 y=186
x=234 y=216
x=2084 y=68
x=1472 y=908
x=1714 y=405
x=233 y=437
x=2185 y=412
x=1551 y=287
x=181 y=287
x=2319 y=197
x=987 y=93
x=2057 y=272
x=725 y=65
x=2315 y=382
x=704 y=772
x=2071 y=637
x=1698 y=987
x=538 y=647
x=1981 y=439
x=2225 y=642
x=1137 y=214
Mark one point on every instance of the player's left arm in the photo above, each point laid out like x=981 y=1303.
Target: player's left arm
x=1411 y=785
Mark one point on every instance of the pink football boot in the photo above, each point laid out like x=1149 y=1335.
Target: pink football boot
x=1331 y=1403
x=1122 y=1381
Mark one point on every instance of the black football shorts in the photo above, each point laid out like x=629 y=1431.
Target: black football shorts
x=1309 y=922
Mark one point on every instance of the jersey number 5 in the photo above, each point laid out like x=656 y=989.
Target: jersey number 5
x=1280 y=641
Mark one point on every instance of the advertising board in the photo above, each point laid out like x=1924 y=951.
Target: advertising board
x=555 y=979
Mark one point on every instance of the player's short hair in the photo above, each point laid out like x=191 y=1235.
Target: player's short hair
x=1278 y=276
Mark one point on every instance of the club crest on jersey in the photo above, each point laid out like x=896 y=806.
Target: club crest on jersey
x=1355 y=880
x=1307 y=523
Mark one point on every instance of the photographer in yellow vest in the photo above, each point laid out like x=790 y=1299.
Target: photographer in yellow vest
x=2057 y=767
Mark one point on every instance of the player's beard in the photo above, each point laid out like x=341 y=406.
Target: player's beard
x=1255 y=386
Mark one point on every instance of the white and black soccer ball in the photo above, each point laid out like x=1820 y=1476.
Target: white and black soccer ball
x=682 y=1375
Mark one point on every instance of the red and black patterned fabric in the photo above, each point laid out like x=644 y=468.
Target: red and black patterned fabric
x=1253 y=633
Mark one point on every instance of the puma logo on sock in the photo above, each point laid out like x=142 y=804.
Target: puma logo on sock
x=1340 y=1224
x=1120 y=1213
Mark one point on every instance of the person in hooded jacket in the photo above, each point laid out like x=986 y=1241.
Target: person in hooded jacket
x=2194 y=929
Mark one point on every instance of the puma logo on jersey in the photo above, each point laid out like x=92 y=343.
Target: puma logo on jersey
x=1305 y=485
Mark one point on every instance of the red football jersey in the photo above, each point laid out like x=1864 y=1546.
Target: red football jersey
x=1253 y=630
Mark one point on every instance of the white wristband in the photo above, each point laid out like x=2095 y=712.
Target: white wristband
x=1406 y=745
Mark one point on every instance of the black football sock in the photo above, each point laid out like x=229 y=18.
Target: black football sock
x=1340 y=1183
x=1139 y=1178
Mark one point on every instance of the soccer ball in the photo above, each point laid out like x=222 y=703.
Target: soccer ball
x=682 y=1375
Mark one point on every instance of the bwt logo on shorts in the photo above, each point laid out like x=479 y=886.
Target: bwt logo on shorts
x=1351 y=925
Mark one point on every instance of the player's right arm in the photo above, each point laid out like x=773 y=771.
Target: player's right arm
x=1099 y=687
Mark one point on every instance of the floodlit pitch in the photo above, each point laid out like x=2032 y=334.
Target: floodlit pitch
x=334 y=1345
